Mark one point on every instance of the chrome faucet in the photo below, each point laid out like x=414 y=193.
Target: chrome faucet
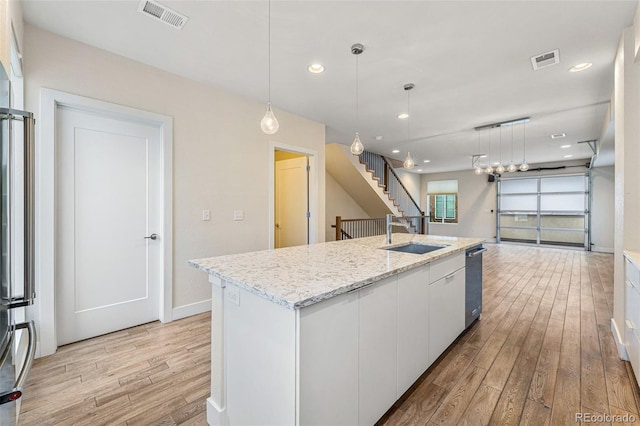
x=391 y=223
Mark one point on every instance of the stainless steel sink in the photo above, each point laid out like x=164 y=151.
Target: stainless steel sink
x=416 y=248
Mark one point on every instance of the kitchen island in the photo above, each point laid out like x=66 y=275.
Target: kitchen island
x=331 y=333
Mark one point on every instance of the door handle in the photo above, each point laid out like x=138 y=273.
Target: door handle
x=152 y=237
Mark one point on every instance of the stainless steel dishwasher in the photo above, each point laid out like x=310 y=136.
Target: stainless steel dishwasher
x=473 y=284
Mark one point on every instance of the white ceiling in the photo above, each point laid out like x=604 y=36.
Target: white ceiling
x=469 y=60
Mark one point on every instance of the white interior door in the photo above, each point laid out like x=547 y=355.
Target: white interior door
x=108 y=199
x=291 y=202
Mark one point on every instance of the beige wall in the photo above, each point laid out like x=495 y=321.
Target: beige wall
x=221 y=157
x=339 y=203
x=476 y=205
x=411 y=181
x=286 y=155
x=477 y=198
x=602 y=209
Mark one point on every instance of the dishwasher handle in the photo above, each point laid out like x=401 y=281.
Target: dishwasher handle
x=475 y=252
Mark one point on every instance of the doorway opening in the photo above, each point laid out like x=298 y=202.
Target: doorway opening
x=291 y=199
x=311 y=184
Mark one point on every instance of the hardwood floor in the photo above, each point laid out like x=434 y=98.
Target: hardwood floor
x=153 y=374
x=542 y=352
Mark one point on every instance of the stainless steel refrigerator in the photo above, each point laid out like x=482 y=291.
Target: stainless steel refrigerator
x=17 y=339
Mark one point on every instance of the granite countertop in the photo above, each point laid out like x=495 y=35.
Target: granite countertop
x=633 y=256
x=295 y=277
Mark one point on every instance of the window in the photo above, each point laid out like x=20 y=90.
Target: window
x=443 y=208
x=442 y=201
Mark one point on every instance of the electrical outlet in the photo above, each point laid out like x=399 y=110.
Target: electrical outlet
x=238 y=215
x=206 y=215
x=233 y=294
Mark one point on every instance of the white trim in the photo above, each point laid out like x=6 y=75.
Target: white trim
x=622 y=350
x=50 y=100
x=602 y=249
x=313 y=188
x=191 y=309
x=216 y=416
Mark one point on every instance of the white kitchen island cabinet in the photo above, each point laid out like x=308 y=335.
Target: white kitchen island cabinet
x=377 y=357
x=632 y=310
x=413 y=326
x=328 y=334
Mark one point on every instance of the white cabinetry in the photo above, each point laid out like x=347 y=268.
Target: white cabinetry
x=341 y=361
x=413 y=326
x=377 y=347
x=632 y=313
x=446 y=303
x=328 y=357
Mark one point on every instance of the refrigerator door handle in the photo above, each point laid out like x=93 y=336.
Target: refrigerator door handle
x=16 y=392
x=30 y=326
x=29 y=203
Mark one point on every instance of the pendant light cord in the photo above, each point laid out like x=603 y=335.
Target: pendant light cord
x=512 y=143
x=500 y=156
x=490 y=147
x=524 y=142
x=269 y=51
x=409 y=115
x=357 y=98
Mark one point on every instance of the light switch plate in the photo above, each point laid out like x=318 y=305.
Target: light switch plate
x=206 y=215
x=238 y=215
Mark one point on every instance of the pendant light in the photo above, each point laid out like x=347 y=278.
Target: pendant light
x=408 y=162
x=474 y=158
x=474 y=161
x=500 y=168
x=269 y=123
x=524 y=166
x=511 y=167
x=356 y=147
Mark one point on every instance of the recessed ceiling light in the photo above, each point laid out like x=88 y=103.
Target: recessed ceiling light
x=316 y=68
x=565 y=146
x=580 y=67
x=419 y=170
x=426 y=161
x=568 y=156
x=395 y=151
x=403 y=115
x=558 y=135
x=378 y=138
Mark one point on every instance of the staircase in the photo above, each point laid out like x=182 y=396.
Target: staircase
x=373 y=184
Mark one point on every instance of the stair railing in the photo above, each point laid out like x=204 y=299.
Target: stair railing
x=347 y=229
x=382 y=171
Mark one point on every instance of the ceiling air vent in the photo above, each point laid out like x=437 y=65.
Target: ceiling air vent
x=162 y=13
x=544 y=60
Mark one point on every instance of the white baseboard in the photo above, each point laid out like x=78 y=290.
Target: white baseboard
x=216 y=416
x=192 y=309
x=622 y=350
x=602 y=249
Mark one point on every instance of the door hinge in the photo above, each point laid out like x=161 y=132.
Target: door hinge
x=308 y=214
x=308 y=168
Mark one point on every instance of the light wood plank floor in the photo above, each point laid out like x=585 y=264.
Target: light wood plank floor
x=542 y=352
x=153 y=374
